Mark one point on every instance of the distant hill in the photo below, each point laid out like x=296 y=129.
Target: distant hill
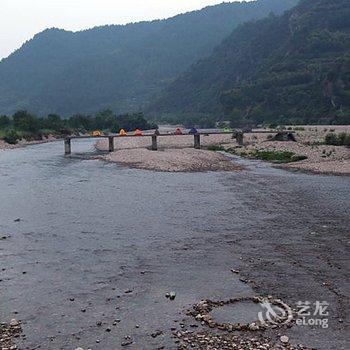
x=294 y=67
x=120 y=67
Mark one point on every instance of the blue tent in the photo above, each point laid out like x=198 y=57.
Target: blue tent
x=193 y=131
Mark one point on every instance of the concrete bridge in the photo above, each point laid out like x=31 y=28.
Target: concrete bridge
x=236 y=134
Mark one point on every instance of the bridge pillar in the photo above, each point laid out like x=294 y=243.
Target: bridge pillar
x=154 y=143
x=197 y=141
x=111 y=144
x=67 y=146
x=240 y=138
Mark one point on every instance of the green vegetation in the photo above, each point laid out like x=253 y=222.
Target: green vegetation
x=342 y=139
x=299 y=128
x=27 y=126
x=11 y=136
x=277 y=156
x=121 y=67
x=216 y=148
x=293 y=68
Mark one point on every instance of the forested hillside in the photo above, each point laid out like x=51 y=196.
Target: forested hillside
x=289 y=68
x=119 y=67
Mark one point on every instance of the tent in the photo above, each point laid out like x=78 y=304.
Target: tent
x=193 y=131
x=178 y=131
x=96 y=133
x=122 y=132
x=138 y=132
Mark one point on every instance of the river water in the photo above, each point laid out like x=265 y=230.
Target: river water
x=90 y=242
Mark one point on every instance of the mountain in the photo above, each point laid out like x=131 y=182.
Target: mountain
x=120 y=67
x=289 y=68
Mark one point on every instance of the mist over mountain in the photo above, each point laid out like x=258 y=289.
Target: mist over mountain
x=119 y=67
x=289 y=68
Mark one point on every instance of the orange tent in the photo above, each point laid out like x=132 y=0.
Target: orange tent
x=138 y=132
x=96 y=133
x=178 y=131
x=122 y=132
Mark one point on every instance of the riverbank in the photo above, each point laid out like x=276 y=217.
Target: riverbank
x=177 y=154
x=320 y=158
x=24 y=143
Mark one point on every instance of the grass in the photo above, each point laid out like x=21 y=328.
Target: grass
x=280 y=157
x=299 y=128
x=216 y=148
x=342 y=139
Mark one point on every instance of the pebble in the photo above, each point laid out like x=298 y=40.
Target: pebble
x=284 y=339
x=126 y=343
x=156 y=334
x=14 y=322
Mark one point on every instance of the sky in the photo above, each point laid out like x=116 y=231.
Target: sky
x=20 y=20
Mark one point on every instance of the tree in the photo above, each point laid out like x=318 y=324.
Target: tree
x=25 y=121
x=53 y=122
x=5 y=122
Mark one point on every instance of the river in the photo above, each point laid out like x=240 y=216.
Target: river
x=90 y=242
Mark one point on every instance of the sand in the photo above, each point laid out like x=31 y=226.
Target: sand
x=173 y=160
x=321 y=159
x=177 y=153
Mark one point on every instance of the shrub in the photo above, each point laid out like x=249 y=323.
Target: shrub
x=342 y=139
x=278 y=156
x=11 y=137
x=215 y=148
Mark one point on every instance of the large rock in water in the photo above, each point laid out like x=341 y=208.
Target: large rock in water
x=284 y=136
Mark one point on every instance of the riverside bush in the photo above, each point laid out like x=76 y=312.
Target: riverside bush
x=342 y=139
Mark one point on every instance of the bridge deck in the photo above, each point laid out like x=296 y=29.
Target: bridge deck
x=173 y=134
x=238 y=134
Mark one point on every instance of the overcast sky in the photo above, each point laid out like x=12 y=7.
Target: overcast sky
x=21 y=19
